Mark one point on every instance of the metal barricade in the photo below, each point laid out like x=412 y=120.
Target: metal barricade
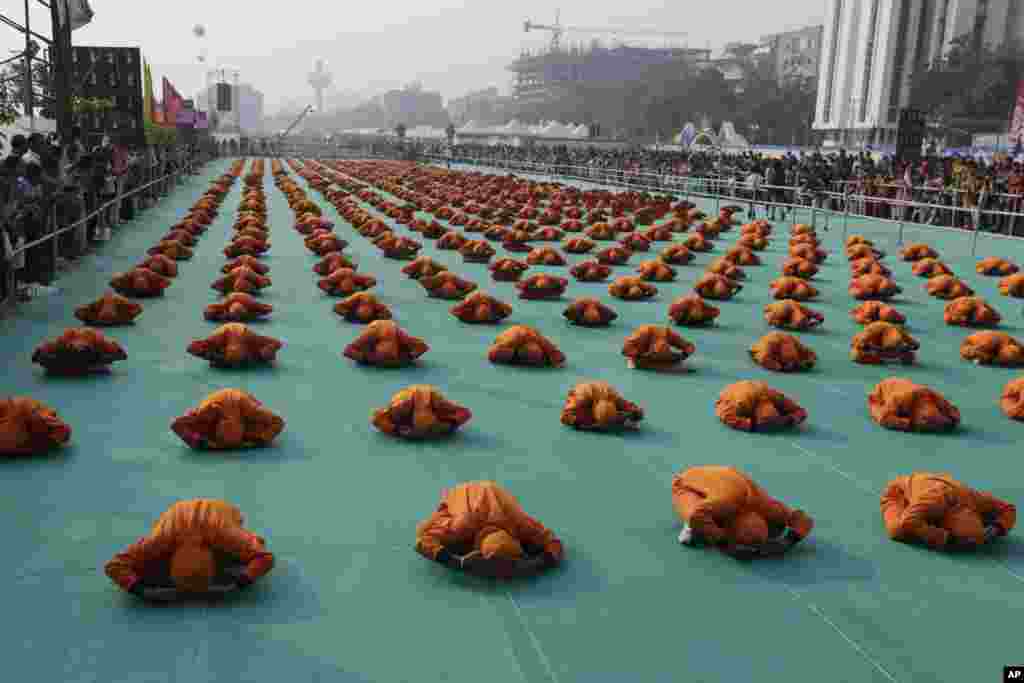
x=159 y=185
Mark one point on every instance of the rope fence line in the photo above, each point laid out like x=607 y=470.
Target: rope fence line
x=151 y=188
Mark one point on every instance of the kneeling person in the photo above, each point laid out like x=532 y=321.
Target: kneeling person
x=481 y=528
x=196 y=547
x=942 y=513
x=723 y=507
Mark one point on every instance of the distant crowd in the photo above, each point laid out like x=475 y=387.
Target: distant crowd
x=47 y=183
x=878 y=187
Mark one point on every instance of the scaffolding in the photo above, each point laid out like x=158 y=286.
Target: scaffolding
x=540 y=74
x=45 y=85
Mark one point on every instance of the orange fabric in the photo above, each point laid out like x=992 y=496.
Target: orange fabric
x=500 y=544
x=470 y=508
x=228 y=418
x=928 y=508
x=214 y=523
x=193 y=567
x=722 y=503
x=28 y=427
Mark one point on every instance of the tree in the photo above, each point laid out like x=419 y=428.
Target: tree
x=13 y=82
x=9 y=110
x=972 y=87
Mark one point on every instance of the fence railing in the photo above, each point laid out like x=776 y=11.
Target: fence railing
x=787 y=199
x=152 y=187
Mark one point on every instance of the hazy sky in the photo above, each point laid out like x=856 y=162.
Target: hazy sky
x=450 y=45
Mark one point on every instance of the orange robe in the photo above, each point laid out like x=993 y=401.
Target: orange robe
x=930 y=508
x=709 y=497
x=217 y=523
x=471 y=509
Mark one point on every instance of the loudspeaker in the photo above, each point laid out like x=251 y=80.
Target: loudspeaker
x=223 y=97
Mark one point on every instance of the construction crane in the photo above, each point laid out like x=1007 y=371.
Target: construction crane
x=558 y=30
x=305 y=112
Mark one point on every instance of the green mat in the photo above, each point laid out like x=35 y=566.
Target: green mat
x=349 y=600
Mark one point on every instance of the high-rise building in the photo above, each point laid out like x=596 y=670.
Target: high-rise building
x=539 y=75
x=871 y=48
x=795 y=54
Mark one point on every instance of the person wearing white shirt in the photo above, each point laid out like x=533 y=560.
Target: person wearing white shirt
x=754 y=182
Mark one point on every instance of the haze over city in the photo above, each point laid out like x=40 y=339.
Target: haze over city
x=450 y=46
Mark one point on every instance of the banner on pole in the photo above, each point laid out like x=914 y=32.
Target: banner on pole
x=1017 y=116
x=173 y=102
x=148 y=99
x=688 y=135
x=76 y=12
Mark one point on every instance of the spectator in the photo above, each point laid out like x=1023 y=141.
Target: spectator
x=19 y=148
x=76 y=148
x=754 y=181
x=11 y=240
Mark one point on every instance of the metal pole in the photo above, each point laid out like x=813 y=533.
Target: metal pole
x=846 y=213
x=30 y=108
x=54 y=250
x=977 y=229
x=62 y=68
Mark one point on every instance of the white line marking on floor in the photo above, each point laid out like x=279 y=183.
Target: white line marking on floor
x=814 y=609
x=873 y=492
x=1011 y=572
x=533 y=638
x=866 y=488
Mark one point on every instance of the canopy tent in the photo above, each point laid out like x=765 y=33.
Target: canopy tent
x=730 y=138
x=706 y=138
x=24 y=126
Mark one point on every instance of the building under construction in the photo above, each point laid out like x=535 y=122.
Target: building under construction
x=540 y=74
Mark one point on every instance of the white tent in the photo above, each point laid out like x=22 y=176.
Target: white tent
x=730 y=138
x=24 y=126
x=425 y=132
x=554 y=129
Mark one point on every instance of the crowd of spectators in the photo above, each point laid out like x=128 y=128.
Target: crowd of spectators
x=47 y=184
x=937 y=190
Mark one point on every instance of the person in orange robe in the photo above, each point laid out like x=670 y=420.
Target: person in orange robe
x=723 y=507
x=942 y=513
x=479 y=527
x=195 y=548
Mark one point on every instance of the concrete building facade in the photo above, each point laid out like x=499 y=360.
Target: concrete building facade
x=871 y=48
x=482 y=106
x=795 y=53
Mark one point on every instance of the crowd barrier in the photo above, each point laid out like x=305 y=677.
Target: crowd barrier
x=794 y=202
x=151 y=187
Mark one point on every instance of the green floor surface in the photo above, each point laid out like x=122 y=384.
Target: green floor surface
x=349 y=600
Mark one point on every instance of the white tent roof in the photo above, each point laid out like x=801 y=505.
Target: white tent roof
x=23 y=126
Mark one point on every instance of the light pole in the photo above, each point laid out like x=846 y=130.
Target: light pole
x=61 y=66
x=199 y=31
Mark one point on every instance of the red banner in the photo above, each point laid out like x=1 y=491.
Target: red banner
x=1017 y=118
x=173 y=103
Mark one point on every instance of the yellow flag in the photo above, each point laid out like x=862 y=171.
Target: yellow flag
x=148 y=96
